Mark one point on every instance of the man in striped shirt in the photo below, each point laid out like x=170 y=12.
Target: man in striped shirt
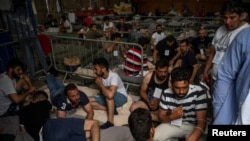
x=135 y=58
x=183 y=109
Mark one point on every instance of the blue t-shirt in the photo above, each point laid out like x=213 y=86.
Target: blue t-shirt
x=62 y=103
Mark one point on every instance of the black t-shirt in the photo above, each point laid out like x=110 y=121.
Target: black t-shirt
x=165 y=51
x=123 y=27
x=189 y=60
x=62 y=103
x=198 y=44
x=34 y=116
x=152 y=85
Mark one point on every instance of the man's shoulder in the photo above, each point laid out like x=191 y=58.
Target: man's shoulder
x=112 y=73
x=148 y=76
x=82 y=93
x=60 y=98
x=4 y=76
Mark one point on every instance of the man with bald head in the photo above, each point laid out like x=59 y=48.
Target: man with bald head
x=200 y=45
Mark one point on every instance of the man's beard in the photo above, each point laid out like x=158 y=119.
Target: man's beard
x=14 y=75
x=101 y=74
x=180 y=96
x=160 y=77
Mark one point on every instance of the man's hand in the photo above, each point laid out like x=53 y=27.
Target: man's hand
x=177 y=113
x=31 y=90
x=153 y=104
x=98 y=81
x=205 y=77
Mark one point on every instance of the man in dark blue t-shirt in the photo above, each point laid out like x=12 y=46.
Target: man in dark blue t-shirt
x=68 y=97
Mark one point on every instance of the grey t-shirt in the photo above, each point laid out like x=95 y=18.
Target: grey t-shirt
x=116 y=133
x=7 y=87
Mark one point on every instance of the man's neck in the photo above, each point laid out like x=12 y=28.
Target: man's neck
x=159 y=81
x=106 y=74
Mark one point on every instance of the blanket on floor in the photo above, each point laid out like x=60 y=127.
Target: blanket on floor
x=101 y=116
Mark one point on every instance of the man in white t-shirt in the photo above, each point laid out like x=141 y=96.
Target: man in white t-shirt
x=157 y=36
x=65 y=25
x=233 y=24
x=113 y=93
x=108 y=26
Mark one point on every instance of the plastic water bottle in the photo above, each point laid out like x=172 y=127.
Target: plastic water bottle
x=151 y=94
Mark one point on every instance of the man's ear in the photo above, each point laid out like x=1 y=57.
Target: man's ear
x=242 y=16
x=152 y=131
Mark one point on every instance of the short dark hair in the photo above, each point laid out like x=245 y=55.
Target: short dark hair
x=115 y=35
x=161 y=63
x=143 y=40
x=140 y=123
x=63 y=17
x=102 y=62
x=158 y=25
x=93 y=25
x=40 y=94
x=122 y=17
x=170 y=38
x=235 y=6
x=105 y=18
x=15 y=62
x=180 y=74
x=84 y=24
x=186 y=41
x=50 y=15
x=70 y=86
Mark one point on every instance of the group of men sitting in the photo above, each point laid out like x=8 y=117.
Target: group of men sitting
x=177 y=107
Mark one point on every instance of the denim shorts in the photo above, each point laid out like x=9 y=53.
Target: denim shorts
x=64 y=129
x=119 y=99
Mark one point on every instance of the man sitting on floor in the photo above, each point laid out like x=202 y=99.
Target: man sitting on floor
x=153 y=84
x=67 y=98
x=15 y=86
x=34 y=116
x=113 y=93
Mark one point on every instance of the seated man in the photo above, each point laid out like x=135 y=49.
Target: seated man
x=14 y=88
x=71 y=129
x=94 y=34
x=157 y=36
x=67 y=98
x=113 y=93
x=153 y=84
x=114 y=52
x=187 y=60
x=135 y=59
x=200 y=45
x=124 y=29
x=65 y=25
x=34 y=116
x=141 y=125
x=183 y=109
x=167 y=49
x=83 y=32
x=52 y=22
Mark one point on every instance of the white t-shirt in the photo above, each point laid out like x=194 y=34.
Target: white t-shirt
x=221 y=41
x=66 y=24
x=158 y=37
x=7 y=87
x=106 y=27
x=81 y=30
x=115 y=80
